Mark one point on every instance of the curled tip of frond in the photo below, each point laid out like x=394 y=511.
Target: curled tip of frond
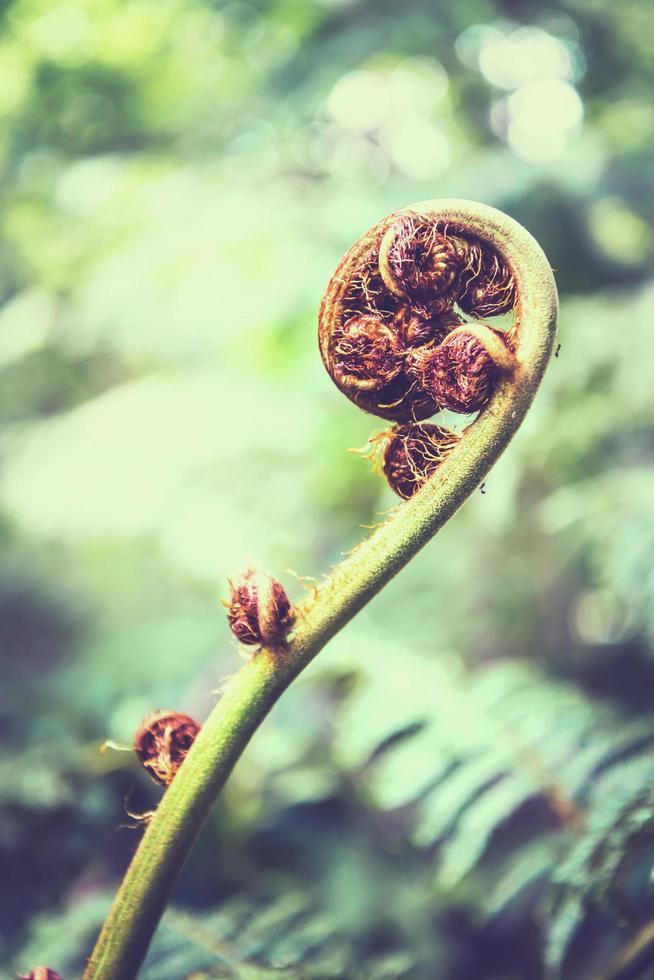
x=395 y=299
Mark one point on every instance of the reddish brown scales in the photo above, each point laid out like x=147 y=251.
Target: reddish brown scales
x=416 y=326
x=367 y=293
x=420 y=263
x=162 y=743
x=259 y=612
x=460 y=373
x=399 y=401
x=367 y=354
x=491 y=290
x=362 y=344
x=413 y=453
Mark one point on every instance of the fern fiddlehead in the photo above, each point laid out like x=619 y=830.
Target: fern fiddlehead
x=395 y=339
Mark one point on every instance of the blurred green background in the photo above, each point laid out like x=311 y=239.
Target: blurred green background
x=460 y=786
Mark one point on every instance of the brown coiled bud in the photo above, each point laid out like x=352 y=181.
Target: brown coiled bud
x=416 y=326
x=366 y=293
x=162 y=743
x=259 y=612
x=41 y=973
x=413 y=452
x=367 y=354
x=490 y=287
x=419 y=262
x=392 y=301
x=362 y=345
x=461 y=373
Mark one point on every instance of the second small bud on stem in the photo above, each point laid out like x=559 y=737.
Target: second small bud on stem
x=259 y=612
x=162 y=743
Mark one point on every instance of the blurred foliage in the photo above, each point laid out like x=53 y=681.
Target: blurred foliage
x=460 y=786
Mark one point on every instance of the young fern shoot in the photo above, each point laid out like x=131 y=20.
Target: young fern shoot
x=403 y=333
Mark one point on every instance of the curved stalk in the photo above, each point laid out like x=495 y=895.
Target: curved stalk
x=250 y=694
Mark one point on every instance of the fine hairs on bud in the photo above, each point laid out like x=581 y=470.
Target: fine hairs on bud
x=367 y=354
x=416 y=326
x=412 y=453
x=491 y=290
x=259 y=612
x=162 y=743
x=461 y=373
x=420 y=263
x=366 y=292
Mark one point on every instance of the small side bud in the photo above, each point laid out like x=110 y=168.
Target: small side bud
x=461 y=373
x=162 y=743
x=259 y=612
x=41 y=973
x=413 y=453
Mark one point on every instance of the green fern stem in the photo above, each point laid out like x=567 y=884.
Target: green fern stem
x=251 y=693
